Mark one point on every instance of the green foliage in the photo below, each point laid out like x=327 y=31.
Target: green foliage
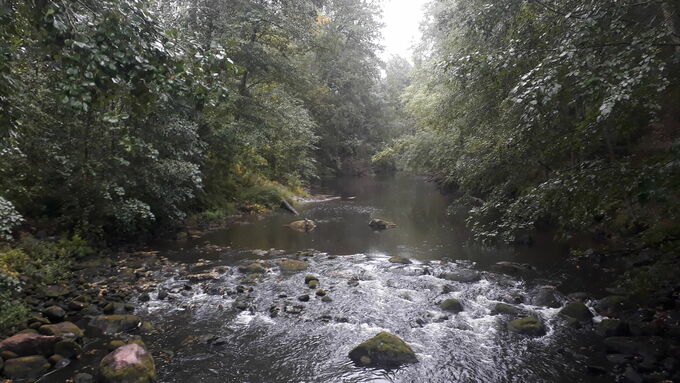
x=32 y=264
x=551 y=112
x=9 y=219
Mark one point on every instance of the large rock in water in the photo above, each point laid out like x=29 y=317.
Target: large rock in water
x=26 y=367
x=452 y=305
x=111 y=324
x=29 y=344
x=292 y=265
x=578 y=311
x=303 y=225
x=127 y=364
x=381 y=224
x=383 y=350
x=527 y=326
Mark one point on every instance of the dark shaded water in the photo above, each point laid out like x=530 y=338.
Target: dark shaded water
x=225 y=326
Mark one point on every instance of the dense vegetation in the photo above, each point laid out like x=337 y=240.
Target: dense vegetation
x=120 y=116
x=123 y=117
x=550 y=113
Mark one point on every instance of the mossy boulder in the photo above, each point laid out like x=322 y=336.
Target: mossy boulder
x=398 y=259
x=111 y=324
x=527 y=326
x=577 y=310
x=383 y=350
x=26 y=367
x=311 y=277
x=381 y=224
x=253 y=268
x=63 y=330
x=313 y=284
x=292 y=265
x=127 y=364
x=303 y=225
x=452 y=305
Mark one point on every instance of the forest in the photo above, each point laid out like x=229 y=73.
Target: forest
x=129 y=123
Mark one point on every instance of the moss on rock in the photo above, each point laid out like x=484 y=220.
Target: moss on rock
x=527 y=326
x=292 y=265
x=452 y=305
x=27 y=367
x=383 y=350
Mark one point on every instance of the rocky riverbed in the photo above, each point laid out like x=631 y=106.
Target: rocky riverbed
x=107 y=324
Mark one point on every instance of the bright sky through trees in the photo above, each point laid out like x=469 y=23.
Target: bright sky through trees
x=402 y=19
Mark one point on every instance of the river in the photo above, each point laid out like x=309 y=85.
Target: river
x=232 y=328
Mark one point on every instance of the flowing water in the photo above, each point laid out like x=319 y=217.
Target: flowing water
x=233 y=328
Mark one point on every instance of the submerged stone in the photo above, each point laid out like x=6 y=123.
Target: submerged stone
x=527 y=326
x=383 y=350
x=381 y=224
x=111 y=324
x=452 y=305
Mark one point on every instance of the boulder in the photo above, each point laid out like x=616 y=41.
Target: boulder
x=383 y=350
x=67 y=348
x=303 y=225
x=311 y=277
x=398 y=259
x=54 y=313
x=527 y=326
x=452 y=305
x=63 y=329
x=463 y=275
x=381 y=224
x=111 y=324
x=546 y=296
x=128 y=364
x=577 y=310
x=506 y=309
x=292 y=265
x=512 y=268
x=29 y=344
x=26 y=367
x=612 y=327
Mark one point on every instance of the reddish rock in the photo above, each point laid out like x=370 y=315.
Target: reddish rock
x=29 y=344
x=129 y=363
